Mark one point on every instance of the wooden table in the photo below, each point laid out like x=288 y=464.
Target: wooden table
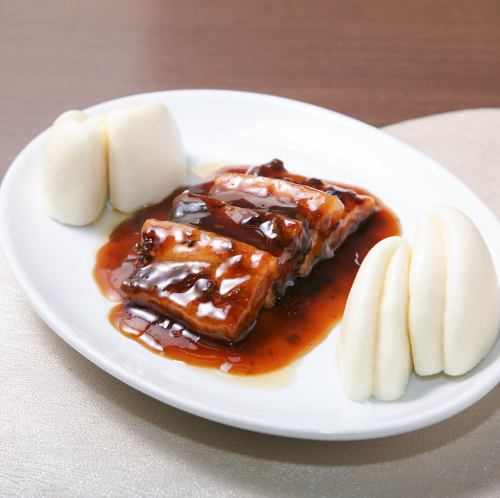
x=379 y=61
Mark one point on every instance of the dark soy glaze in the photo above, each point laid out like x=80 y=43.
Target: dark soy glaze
x=208 y=282
x=286 y=238
x=297 y=323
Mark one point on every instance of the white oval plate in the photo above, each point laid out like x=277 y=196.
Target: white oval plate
x=53 y=264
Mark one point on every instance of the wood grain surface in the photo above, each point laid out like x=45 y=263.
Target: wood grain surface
x=379 y=61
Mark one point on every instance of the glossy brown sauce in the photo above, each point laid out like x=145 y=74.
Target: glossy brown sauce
x=297 y=323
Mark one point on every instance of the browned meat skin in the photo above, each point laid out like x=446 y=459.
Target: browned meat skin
x=286 y=238
x=297 y=201
x=350 y=199
x=357 y=207
x=211 y=283
x=321 y=212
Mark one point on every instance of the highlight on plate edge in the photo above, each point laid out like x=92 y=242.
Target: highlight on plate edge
x=238 y=272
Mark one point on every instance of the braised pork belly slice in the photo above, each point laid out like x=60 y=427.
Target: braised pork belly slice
x=319 y=211
x=286 y=238
x=357 y=207
x=213 y=284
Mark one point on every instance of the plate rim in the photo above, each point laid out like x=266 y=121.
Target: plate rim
x=70 y=336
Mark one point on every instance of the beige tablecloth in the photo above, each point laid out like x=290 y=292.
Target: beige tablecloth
x=69 y=429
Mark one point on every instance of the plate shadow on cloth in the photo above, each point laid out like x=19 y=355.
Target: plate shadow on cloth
x=171 y=421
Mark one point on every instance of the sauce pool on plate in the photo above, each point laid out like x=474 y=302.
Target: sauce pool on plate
x=299 y=320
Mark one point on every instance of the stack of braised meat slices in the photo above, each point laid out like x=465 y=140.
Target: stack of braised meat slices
x=221 y=258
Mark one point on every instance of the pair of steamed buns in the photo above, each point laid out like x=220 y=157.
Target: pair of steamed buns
x=134 y=153
x=435 y=307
